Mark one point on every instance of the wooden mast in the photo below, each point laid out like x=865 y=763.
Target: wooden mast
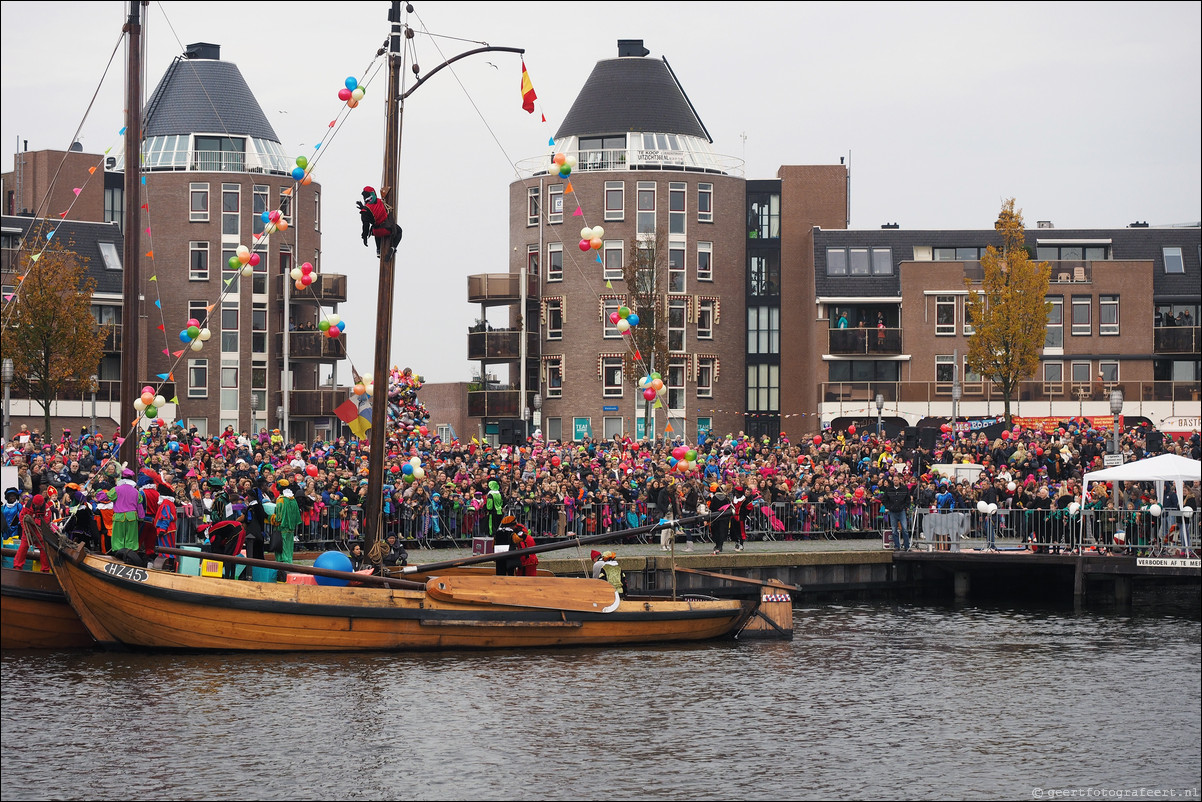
x=131 y=307
x=389 y=191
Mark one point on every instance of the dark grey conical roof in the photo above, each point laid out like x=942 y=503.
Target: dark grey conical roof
x=631 y=94
x=205 y=96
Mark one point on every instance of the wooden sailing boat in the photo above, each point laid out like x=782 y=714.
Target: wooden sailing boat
x=35 y=614
x=131 y=606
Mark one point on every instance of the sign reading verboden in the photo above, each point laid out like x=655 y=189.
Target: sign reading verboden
x=1169 y=562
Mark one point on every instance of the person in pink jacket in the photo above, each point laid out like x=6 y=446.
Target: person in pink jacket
x=126 y=500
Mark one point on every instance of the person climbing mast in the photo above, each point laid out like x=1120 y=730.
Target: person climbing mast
x=379 y=221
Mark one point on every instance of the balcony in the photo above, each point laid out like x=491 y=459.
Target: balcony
x=312 y=345
x=496 y=289
x=918 y=392
x=851 y=342
x=496 y=403
x=329 y=288
x=500 y=345
x=112 y=338
x=1176 y=339
x=315 y=403
x=639 y=158
x=1063 y=272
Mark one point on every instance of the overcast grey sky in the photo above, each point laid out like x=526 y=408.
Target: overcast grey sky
x=1087 y=113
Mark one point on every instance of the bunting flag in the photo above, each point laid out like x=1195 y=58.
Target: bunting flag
x=160 y=327
x=178 y=354
x=158 y=303
x=568 y=188
x=92 y=170
x=163 y=376
x=154 y=277
x=77 y=190
x=528 y=96
x=166 y=353
x=578 y=213
x=355 y=412
x=175 y=400
x=609 y=285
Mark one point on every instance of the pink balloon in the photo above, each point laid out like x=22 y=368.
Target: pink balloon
x=585 y=245
x=344 y=94
x=613 y=318
x=254 y=260
x=649 y=394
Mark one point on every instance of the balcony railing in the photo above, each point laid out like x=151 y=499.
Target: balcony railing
x=500 y=288
x=1176 y=339
x=330 y=288
x=1074 y=271
x=847 y=342
x=112 y=338
x=314 y=403
x=312 y=345
x=494 y=403
x=930 y=392
x=502 y=345
x=638 y=158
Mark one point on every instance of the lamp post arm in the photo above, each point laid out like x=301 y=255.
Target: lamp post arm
x=453 y=59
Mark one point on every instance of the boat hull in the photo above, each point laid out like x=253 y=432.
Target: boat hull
x=144 y=608
x=34 y=613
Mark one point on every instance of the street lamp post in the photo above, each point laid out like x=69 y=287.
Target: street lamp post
x=1116 y=409
x=254 y=413
x=880 y=406
x=6 y=375
x=538 y=410
x=95 y=381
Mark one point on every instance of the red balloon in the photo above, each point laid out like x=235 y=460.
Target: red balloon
x=1039 y=452
x=344 y=94
x=1006 y=435
x=585 y=245
x=801 y=460
x=945 y=428
x=851 y=429
x=311 y=470
x=817 y=439
x=555 y=460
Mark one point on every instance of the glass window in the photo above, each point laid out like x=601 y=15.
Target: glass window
x=554 y=383
x=555 y=319
x=610 y=330
x=555 y=198
x=763 y=388
x=201 y=425
x=1173 y=261
x=613 y=427
x=532 y=259
x=198 y=261
x=677 y=308
x=231 y=207
x=612 y=260
x=532 y=206
x=705 y=377
x=857 y=261
x=1053 y=378
x=108 y=252
x=229 y=328
x=763 y=216
x=968 y=254
x=1082 y=308
x=676 y=214
x=1080 y=373
x=1109 y=372
x=229 y=377
x=882 y=262
x=646 y=212
x=611 y=375
x=705 y=320
x=764 y=273
x=945 y=314
x=675 y=382
x=1095 y=253
x=763 y=330
x=1055 y=335
x=705 y=203
x=199 y=203
x=944 y=255
x=258 y=206
x=258 y=326
x=945 y=369
x=198 y=378
x=555 y=261
x=705 y=263
x=615 y=193
x=676 y=276
x=836 y=261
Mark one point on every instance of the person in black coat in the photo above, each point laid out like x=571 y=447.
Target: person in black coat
x=721 y=512
x=897 y=500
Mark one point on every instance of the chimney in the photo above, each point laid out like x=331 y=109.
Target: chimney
x=890 y=225
x=1138 y=224
x=632 y=47
x=203 y=50
x=1044 y=224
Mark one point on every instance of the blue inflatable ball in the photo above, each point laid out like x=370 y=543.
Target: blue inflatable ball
x=298 y=173
x=332 y=561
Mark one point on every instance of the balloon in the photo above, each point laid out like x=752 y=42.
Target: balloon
x=306 y=268
x=332 y=561
x=354 y=104
x=295 y=273
x=649 y=394
x=265 y=217
x=324 y=325
x=274 y=216
x=584 y=245
x=423 y=430
x=672 y=461
x=419 y=473
x=992 y=508
x=298 y=173
x=366 y=378
x=344 y=94
x=302 y=162
x=595 y=243
x=151 y=410
x=1155 y=510
x=679 y=452
x=656 y=384
x=254 y=260
x=307 y=279
x=655 y=375
x=623 y=326
x=300 y=285
x=1011 y=487
x=159 y=401
x=598 y=231
x=311 y=470
x=663 y=389
x=982 y=506
x=1074 y=508
x=183 y=336
x=352 y=83
x=559 y=158
x=247 y=270
x=570 y=161
x=242 y=252
x=148 y=389
x=139 y=405
x=415 y=461
x=234 y=263
x=282 y=224
x=192 y=322
x=633 y=319
x=341 y=325
x=690 y=455
x=851 y=429
x=613 y=318
x=359 y=389
x=335 y=319
x=624 y=311
x=1006 y=435
x=817 y=440
x=1039 y=452
x=197 y=345
x=943 y=427
x=859 y=492
x=332 y=332
x=205 y=334
x=565 y=170
x=358 y=94
x=148 y=397
x=555 y=460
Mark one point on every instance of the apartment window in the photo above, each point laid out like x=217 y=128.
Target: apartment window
x=229 y=328
x=858 y=262
x=676 y=221
x=286 y=264
x=1055 y=336
x=1053 y=378
x=836 y=261
x=114 y=206
x=317 y=211
x=258 y=330
x=705 y=319
x=705 y=203
x=555 y=198
x=532 y=260
x=763 y=388
x=705 y=377
x=945 y=314
x=201 y=425
x=229 y=387
x=198 y=211
x=1072 y=253
x=258 y=281
x=763 y=330
x=554 y=429
x=705 y=261
x=554 y=380
x=611 y=374
x=1080 y=377
x=613 y=427
x=286 y=204
x=258 y=384
x=108 y=252
x=675 y=382
x=231 y=208
x=554 y=319
x=103 y=314
x=763 y=216
x=1109 y=372
x=676 y=277
x=198 y=261
x=230 y=265
x=969 y=329
x=763 y=273
x=1173 y=261
x=198 y=378
x=1108 y=314
x=645 y=221
x=199 y=310
x=258 y=206
x=612 y=260
x=972 y=379
x=1082 y=317
x=882 y=262
x=677 y=313
x=615 y=200
x=532 y=206
x=945 y=373
x=555 y=261
x=609 y=330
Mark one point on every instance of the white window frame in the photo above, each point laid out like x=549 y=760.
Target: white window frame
x=1174 y=260
x=1081 y=329
x=705 y=319
x=554 y=273
x=610 y=273
x=944 y=386
x=615 y=212
x=705 y=377
x=609 y=331
x=763 y=329
x=193 y=248
x=680 y=271
x=1109 y=366
x=640 y=214
x=532 y=260
x=555 y=203
x=613 y=426
x=945 y=329
x=554 y=309
x=674 y=380
x=533 y=200
x=235 y=216
x=200 y=424
x=198 y=215
x=680 y=306
x=1053 y=386
x=705 y=211
x=230 y=306
x=706 y=248
x=678 y=191
x=875 y=256
x=1105 y=303
x=195 y=390
x=554 y=367
x=611 y=377
x=1057 y=302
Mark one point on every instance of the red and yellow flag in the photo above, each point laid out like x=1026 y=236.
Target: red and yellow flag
x=528 y=96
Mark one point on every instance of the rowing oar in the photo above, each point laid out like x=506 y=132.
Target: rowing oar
x=564 y=544
x=770 y=583
x=350 y=576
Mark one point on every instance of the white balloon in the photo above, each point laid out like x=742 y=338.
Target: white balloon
x=1187 y=512
x=586 y=233
x=205 y=334
x=247 y=270
x=1074 y=508
x=598 y=232
x=415 y=461
x=992 y=508
x=365 y=378
x=159 y=401
x=335 y=319
x=982 y=506
x=1155 y=510
x=295 y=273
x=1011 y=487
x=570 y=161
x=419 y=473
x=197 y=345
x=138 y=405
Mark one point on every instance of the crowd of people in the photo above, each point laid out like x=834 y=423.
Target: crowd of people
x=823 y=482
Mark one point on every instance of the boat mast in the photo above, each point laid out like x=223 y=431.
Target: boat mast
x=131 y=318
x=374 y=521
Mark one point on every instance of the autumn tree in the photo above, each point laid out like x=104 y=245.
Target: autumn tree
x=1008 y=310
x=646 y=283
x=49 y=331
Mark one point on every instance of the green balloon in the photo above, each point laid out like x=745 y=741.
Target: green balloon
x=194 y=332
x=235 y=263
x=324 y=325
x=302 y=162
x=151 y=410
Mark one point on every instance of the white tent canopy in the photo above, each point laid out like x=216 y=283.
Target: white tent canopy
x=1158 y=470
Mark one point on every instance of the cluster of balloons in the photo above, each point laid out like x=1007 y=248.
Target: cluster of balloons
x=412 y=470
x=351 y=92
x=304 y=275
x=988 y=509
x=149 y=404
x=564 y=163
x=683 y=459
x=244 y=261
x=194 y=336
x=274 y=221
x=652 y=386
x=301 y=171
x=625 y=320
x=332 y=326
x=364 y=386
x=405 y=411
x=591 y=238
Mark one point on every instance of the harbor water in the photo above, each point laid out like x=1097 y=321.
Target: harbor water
x=872 y=700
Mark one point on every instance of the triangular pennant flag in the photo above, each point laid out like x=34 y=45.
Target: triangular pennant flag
x=77 y=190
x=578 y=213
x=209 y=308
x=175 y=398
x=332 y=123
x=667 y=427
x=147 y=229
x=63 y=214
x=49 y=234
x=637 y=355
x=158 y=303
x=122 y=131
x=146 y=206
x=166 y=352
x=543 y=116
x=568 y=188
x=7 y=298
x=658 y=405
x=162 y=375
x=178 y=354
x=150 y=254
x=160 y=327
x=92 y=170
x=154 y=277
x=551 y=142
x=143 y=180
x=599 y=259
x=286 y=191
x=171 y=376
x=106 y=150
x=609 y=285
x=33 y=258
